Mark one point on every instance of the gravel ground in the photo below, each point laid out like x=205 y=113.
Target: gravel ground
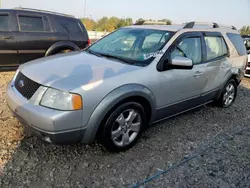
x=28 y=162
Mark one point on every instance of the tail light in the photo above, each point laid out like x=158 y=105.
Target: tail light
x=89 y=42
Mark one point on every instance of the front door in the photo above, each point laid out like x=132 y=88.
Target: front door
x=181 y=89
x=8 y=52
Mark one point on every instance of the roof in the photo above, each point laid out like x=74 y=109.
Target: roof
x=37 y=10
x=158 y=27
x=190 y=26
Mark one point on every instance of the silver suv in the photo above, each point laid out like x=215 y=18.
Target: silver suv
x=132 y=78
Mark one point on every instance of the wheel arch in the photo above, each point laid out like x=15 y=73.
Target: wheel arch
x=127 y=93
x=231 y=74
x=55 y=48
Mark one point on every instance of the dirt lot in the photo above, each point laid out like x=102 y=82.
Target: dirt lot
x=28 y=162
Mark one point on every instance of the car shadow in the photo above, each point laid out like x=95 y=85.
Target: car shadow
x=38 y=164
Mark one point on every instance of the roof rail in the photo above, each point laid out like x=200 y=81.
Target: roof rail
x=190 y=25
x=43 y=11
x=150 y=22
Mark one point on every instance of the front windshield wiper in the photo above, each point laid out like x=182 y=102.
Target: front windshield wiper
x=118 y=58
x=93 y=53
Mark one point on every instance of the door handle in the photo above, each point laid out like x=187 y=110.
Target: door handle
x=51 y=38
x=8 y=38
x=197 y=74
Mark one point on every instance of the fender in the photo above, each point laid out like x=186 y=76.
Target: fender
x=112 y=99
x=62 y=44
x=232 y=73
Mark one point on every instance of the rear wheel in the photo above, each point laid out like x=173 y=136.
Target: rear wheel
x=123 y=127
x=228 y=94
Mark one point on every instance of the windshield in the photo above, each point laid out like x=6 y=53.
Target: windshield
x=138 y=46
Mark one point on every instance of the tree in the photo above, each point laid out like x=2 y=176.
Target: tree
x=245 y=30
x=168 y=22
x=140 y=20
x=103 y=25
x=88 y=23
x=124 y=22
x=112 y=23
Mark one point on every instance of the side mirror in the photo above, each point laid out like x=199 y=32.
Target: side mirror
x=179 y=62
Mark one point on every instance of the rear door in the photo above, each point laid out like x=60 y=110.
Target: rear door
x=8 y=52
x=34 y=37
x=216 y=61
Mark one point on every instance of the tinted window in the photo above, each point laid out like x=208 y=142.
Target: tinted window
x=31 y=23
x=4 y=22
x=238 y=43
x=189 y=47
x=68 y=25
x=46 y=24
x=216 y=47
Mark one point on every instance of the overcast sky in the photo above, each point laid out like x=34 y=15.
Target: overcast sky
x=232 y=12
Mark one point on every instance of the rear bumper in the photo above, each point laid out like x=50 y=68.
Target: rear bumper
x=58 y=127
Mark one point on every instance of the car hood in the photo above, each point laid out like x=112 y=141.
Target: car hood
x=73 y=70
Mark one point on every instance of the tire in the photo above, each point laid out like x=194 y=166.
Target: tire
x=229 y=93
x=116 y=134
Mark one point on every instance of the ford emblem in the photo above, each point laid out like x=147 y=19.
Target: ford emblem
x=21 y=83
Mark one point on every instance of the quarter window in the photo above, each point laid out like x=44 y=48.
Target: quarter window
x=190 y=48
x=31 y=23
x=67 y=25
x=4 y=22
x=238 y=43
x=215 y=47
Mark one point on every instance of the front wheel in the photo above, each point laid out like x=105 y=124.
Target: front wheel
x=123 y=127
x=228 y=94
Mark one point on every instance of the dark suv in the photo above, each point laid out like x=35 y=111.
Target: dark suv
x=27 y=34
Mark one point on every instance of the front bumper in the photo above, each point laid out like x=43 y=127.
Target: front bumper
x=58 y=127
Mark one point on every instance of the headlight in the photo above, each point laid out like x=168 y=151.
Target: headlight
x=61 y=100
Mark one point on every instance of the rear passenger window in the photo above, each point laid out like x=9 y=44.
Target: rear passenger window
x=4 y=22
x=190 y=48
x=216 y=47
x=238 y=43
x=31 y=23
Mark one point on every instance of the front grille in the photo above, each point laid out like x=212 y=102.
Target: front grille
x=25 y=86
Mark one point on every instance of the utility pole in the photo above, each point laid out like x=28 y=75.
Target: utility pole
x=85 y=2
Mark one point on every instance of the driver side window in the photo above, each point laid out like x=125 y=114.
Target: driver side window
x=190 y=48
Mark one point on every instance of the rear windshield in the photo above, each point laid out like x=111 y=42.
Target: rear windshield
x=238 y=43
